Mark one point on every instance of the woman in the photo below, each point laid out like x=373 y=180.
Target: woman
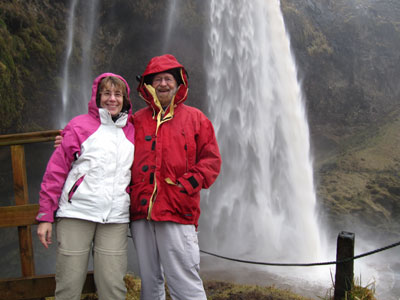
x=84 y=192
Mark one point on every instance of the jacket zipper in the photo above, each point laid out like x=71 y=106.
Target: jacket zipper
x=74 y=188
x=186 y=150
x=154 y=194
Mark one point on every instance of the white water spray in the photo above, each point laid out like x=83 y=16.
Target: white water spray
x=262 y=206
x=263 y=203
x=65 y=82
x=76 y=83
x=171 y=20
x=87 y=54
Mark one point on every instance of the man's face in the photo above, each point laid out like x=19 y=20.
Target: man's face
x=165 y=86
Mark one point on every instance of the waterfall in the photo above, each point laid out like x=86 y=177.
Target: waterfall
x=86 y=42
x=172 y=13
x=65 y=80
x=262 y=206
x=77 y=76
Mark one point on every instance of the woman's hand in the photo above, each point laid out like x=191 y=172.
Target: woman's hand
x=58 y=141
x=44 y=232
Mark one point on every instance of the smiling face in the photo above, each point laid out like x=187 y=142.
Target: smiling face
x=165 y=86
x=112 y=98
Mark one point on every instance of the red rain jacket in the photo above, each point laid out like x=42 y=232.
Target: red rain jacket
x=171 y=147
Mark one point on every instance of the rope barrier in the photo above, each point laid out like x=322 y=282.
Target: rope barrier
x=304 y=264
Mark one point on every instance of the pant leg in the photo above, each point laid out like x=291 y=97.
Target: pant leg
x=110 y=260
x=74 y=238
x=180 y=257
x=150 y=270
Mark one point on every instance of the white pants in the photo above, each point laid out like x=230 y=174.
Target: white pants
x=75 y=238
x=171 y=249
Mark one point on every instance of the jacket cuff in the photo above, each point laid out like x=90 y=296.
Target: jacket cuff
x=190 y=183
x=45 y=217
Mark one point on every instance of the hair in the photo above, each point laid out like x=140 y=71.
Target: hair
x=119 y=84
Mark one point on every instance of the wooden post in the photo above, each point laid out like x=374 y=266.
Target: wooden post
x=23 y=215
x=37 y=287
x=344 y=271
x=21 y=198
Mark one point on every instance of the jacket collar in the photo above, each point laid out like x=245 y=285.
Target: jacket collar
x=106 y=119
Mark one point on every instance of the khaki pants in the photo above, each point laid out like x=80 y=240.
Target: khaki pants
x=75 y=238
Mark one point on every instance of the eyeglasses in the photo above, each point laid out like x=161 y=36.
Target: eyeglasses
x=159 y=79
x=108 y=94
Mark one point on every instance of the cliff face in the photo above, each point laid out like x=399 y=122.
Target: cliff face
x=348 y=61
x=31 y=41
x=347 y=54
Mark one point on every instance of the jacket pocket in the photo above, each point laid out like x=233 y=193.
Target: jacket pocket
x=186 y=206
x=140 y=195
x=75 y=187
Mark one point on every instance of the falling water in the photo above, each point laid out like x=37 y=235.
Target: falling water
x=86 y=42
x=263 y=203
x=68 y=52
x=77 y=76
x=172 y=12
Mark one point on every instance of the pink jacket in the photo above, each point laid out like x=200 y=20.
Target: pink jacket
x=87 y=176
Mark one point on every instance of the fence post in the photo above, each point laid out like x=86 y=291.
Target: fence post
x=29 y=286
x=21 y=198
x=344 y=271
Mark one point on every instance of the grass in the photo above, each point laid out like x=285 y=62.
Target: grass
x=221 y=290
x=362 y=181
x=358 y=291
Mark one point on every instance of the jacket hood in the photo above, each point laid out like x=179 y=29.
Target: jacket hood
x=93 y=108
x=160 y=64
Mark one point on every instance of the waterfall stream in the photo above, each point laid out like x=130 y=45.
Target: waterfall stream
x=172 y=13
x=263 y=203
x=65 y=83
x=77 y=75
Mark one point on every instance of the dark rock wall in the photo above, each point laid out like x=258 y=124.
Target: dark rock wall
x=349 y=63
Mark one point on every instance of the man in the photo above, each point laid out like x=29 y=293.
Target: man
x=176 y=155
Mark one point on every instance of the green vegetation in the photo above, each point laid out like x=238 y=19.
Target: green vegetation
x=311 y=38
x=358 y=292
x=29 y=45
x=220 y=290
x=363 y=179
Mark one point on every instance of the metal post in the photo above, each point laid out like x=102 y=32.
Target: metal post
x=344 y=271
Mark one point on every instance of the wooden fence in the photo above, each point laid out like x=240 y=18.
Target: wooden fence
x=22 y=215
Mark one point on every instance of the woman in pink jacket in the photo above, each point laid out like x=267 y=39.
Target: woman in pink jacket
x=84 y=193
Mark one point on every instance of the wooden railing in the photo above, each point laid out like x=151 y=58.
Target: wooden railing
x=22 y=215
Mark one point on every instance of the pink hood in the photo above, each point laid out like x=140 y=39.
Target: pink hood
x=92 y=106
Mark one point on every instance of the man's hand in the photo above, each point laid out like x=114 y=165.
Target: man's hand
x=58 y=141
x=44 y=232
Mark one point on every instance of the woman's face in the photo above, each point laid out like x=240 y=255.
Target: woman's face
x=112 y=98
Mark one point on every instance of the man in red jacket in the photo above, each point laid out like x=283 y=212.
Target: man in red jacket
x=176 y=155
